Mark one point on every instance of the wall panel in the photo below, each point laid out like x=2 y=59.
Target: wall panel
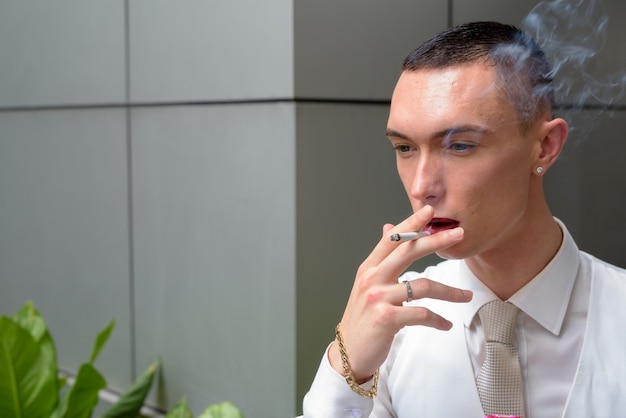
x=193 y=50
x=586 y=187
x=64 y=229
x=214 y=227
x=354 y=49
x=65 y=52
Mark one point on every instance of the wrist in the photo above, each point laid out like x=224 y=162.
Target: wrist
x=334 y=358
x=346 y=370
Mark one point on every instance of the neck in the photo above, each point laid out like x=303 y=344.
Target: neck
x=513 y=264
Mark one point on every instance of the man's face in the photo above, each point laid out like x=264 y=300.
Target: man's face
x=461 y=149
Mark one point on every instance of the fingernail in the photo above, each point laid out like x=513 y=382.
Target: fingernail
x=468 y=294
x=425 y=212
x=456 y=232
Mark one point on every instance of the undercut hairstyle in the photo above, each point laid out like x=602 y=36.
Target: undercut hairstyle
x=523 y=74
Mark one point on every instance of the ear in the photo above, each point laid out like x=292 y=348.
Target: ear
x=551 y=143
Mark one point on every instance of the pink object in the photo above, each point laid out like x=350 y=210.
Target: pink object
x=502 y=416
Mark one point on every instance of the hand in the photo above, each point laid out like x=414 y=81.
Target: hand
x=375 y=313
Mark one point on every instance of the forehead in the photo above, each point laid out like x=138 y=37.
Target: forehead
x=450 y=96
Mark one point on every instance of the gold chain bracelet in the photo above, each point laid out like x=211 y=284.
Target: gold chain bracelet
x=347 y=371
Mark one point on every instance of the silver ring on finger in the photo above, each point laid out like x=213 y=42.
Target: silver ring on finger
x=409 y=291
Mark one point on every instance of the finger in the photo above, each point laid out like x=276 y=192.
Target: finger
x=385 y=246
x=426 y=288
x=418 y=315
x=398 y=260
x=387 y=228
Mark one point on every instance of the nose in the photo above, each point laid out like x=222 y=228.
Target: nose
x=428 y=185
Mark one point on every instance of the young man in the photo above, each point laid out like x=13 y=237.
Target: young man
x=472 y=126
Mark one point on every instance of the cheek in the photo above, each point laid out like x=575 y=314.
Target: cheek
x=502 y=202
x=489 y=192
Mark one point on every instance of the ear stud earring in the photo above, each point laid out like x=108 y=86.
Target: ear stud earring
x=539 y=170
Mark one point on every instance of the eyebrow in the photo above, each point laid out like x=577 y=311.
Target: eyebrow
x=443 y=133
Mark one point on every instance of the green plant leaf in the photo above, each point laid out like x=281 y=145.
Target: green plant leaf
x=27 y=387
x=222 y=410
x=83 y=394
x=28 y=318
x=130 y=403
x=180 y=410
x=31 y=320
x=101 y=339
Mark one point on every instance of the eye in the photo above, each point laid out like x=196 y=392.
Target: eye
x=461 y=147
x=402 y=148
x=463 y=139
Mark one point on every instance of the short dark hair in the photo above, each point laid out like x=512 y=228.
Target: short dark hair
x=523 y=72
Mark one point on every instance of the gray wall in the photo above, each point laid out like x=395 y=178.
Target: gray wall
x=194 y=169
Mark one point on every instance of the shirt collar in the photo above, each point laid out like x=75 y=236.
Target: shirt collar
x=545 y=298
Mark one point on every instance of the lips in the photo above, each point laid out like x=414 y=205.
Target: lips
x=440 y=224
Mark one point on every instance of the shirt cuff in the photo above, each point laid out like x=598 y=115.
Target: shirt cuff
x=330 y=395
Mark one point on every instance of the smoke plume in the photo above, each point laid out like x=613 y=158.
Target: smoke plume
x=572 y=33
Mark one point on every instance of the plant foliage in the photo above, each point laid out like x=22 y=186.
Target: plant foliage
x=220 y=410
x=30 y=385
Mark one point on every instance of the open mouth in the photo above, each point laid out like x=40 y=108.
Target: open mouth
x=440 y=224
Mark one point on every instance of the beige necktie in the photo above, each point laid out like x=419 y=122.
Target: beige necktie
x=499 y=381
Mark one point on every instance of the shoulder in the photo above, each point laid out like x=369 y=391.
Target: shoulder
x=607 y=285
x=600 y=270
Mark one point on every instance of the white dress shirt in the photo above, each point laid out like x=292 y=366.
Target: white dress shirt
x=553 y=314
x=426 y=368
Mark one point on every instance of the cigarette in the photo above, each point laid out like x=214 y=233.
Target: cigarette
x=409 y=236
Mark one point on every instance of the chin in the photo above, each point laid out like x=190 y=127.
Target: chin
x=453 y=253
x=447 y=256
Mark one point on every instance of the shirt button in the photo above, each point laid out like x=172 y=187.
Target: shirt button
x=357 y=413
